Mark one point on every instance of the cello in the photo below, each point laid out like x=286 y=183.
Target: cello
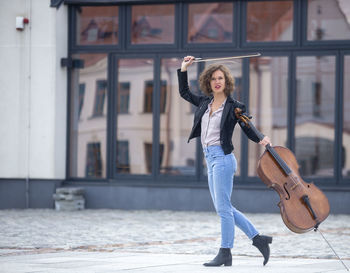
x=303 y=206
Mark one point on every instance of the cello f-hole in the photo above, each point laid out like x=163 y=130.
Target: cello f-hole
x=285 y=188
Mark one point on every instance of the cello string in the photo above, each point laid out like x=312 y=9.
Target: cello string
x=333 y=250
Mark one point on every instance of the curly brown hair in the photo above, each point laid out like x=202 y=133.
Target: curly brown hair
x=205 y=77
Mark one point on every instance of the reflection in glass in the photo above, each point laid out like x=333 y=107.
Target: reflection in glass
x=134 y=124
x=328 y=20
x=235 y=68
x=153 y=24
x=177 y=157
x=314 y=125
x=93 y=160
x=268 y=103
x=101 y=92
x=210 y=23
x=269 y=21
x=123 y=97
x=345 y=164
x=88 y=118
x=97 y=25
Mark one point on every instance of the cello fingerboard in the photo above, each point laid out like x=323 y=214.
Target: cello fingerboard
x=279 y=160
x=272 y=151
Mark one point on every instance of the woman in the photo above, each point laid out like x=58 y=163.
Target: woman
x=214 y=121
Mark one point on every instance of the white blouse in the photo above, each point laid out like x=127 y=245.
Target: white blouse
x=210 y=127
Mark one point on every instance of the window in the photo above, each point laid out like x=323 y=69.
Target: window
x=345 y=163
x=97 y=25
x=328 y=20
x=134 y=76
x=238 y=88
x=123 y=97
x=268 y=104
x=148 y=108
x=101 y=90
x=139 y=45
x=153 y=24
x=269 y=21
x=148 y=97
x=314 y=124
x=81 y=97
x=93 y=160
x=210 y=23
x=177 y=156
x=88 y=136
x=148 y=153
x=194 y=87
x=316 y=107
x=123 y=165
x=163 y=96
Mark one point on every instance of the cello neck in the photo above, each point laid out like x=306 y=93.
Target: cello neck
x=272 y=151
x=256 y=131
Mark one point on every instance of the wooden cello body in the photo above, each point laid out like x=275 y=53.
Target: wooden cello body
x=303 y=206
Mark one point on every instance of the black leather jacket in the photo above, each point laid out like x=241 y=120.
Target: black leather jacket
x=228 y=119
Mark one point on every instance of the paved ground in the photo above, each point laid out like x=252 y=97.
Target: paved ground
x=158 y=241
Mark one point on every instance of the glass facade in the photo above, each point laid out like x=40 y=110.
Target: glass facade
x=269 y=21
x=268 y=103
x=88 y=117
x=134 y=116
x=127 y=121
x=210 y=22
x=152 y=24
x=97 y=25
x=328 y=20
x=176 y=116
x=315 y=116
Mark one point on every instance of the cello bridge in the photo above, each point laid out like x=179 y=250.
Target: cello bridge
x=296 y=182
x=295 y=185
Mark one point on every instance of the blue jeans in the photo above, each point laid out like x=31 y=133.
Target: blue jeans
x=221 y=169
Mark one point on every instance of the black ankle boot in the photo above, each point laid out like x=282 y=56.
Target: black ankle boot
x=262 y=243
x=224 y=257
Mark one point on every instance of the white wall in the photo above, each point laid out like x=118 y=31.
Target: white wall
x=33 y=90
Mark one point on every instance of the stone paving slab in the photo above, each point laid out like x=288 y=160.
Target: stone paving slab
x=108 y=240
x=89 y=262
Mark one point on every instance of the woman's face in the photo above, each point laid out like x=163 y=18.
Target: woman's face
x=217 y=81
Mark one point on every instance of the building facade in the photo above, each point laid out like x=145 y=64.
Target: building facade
x=90 y=98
